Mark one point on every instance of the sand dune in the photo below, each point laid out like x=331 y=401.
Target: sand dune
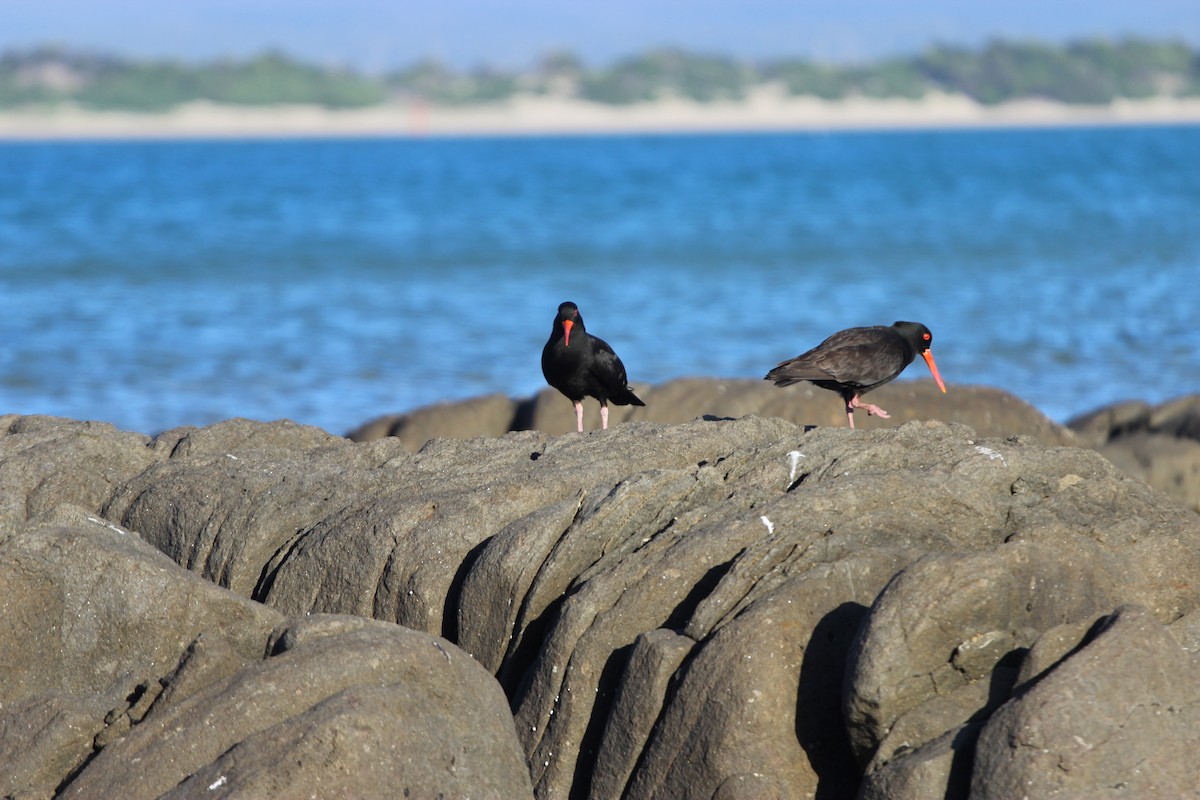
x=765 y=110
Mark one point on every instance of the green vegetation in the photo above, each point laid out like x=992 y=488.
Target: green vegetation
x=435 y=82
x=105 y=82
x=1084 y=72
x=891 y=78
x=1094 y=71
x=668 y=72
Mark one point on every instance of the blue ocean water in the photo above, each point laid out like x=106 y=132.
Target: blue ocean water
x=154 y=284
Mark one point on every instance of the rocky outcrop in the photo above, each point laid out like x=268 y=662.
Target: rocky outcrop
x=1120 y=713
x=126 y=675
x=988 y=411
x=345 y=705
x=48 y=462
x=721 y=607
x=1158 y=444
x=489 y=415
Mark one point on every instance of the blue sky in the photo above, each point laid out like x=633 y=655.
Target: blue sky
x=374 y=35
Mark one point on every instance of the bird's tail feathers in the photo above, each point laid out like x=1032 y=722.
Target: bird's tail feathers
x=781 y=379
x=626 y=397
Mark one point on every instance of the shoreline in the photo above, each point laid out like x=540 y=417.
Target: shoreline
x=765 y=110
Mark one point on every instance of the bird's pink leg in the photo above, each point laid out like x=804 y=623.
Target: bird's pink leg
x=604 y=417
x=867 y=407
x=579 y=417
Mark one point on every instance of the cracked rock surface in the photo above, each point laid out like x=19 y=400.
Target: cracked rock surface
x=723 y=607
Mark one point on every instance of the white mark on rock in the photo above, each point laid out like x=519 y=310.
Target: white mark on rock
x=218 y=783
x=231 y=455
x=106 y=524
x=990 y=453
x=793 y=462
x=770 y=525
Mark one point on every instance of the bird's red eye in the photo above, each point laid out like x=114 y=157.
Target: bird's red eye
x=925 y=336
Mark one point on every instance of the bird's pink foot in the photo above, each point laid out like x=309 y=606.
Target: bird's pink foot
x=603 y=418
x=579 y=417
x=872 y=411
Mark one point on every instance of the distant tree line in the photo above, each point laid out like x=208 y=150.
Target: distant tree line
x=1093 y=71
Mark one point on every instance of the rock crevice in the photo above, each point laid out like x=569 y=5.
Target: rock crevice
x=735 y=607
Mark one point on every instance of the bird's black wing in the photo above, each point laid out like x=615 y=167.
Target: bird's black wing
x=862 y=365
x=609 y=372
x=606 y=366
x=800 y=368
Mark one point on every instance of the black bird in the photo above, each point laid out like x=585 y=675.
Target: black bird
x=581 y=365
x=855 y=361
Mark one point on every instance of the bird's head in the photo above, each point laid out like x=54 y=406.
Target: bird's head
x=568 y=317
x=921 y=340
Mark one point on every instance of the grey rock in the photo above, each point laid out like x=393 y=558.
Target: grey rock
x=990 y=412
x=239 y=434
x=924 y=728
x=1186 y=631
x=232 y=496
x=1169 y=463
x=46 y=736
x=87 y=608
x=654 y=658
x=584 y=544
x=1157 y=444
x=1179 y=417
x=1050 y=648
x=93 y=616
x=941 y=768
x=1119 y=717
x=920 y=488
x=49 y=461
x=128 y=676
x=681 y=609
x=488 y=415
x=728 y=712
x=494 y=588
x=341 y=708
x=1098 y=427
x=909 y=650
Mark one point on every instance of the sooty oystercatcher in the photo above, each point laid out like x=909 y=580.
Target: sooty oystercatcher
x=581 y=365
x=855 y=361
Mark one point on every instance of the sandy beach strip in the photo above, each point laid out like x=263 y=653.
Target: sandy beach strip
x=764 y=110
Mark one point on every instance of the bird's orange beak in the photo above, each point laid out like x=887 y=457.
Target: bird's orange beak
x=567 y=338
x=928 y=356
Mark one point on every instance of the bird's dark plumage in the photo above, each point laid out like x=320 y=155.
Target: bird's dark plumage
x=580 y=365
x=855 y=361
